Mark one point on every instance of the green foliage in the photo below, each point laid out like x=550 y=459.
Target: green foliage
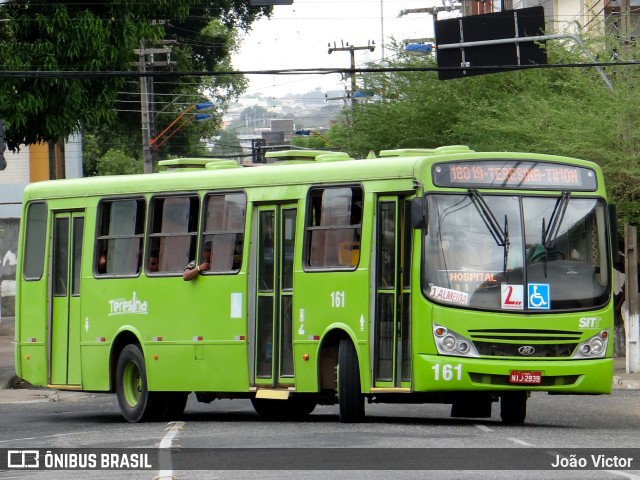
x=313 y=142
x=117 y=162
x=80 y=37
x=228 y=145
x=561 y=111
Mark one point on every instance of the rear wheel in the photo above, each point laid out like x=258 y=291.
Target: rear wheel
x=350 y=398
x=174 y=404
x=513 y=407
x=136 y=402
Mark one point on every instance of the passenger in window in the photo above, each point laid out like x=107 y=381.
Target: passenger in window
x=194 y=269
x=102 y=261
x=154 y=261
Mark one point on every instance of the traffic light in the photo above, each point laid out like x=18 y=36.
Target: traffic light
x=3 y=163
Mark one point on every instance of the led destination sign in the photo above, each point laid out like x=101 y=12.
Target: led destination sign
x=514 y=174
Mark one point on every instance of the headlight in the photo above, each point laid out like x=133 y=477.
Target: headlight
x=449 y=342
x=594 y=347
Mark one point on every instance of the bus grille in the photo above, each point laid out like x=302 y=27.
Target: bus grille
x=513 y=350
x=525 y=343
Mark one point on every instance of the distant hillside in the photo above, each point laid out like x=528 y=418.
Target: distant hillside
x=311 y=110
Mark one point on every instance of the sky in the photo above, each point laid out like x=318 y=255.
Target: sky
x=298 y=36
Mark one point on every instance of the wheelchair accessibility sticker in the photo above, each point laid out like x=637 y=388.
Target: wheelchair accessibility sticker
x=538 y=295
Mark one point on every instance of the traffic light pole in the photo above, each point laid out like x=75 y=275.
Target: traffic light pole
x=537 y=38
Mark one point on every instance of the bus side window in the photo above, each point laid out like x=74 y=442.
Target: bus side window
x=224 y=227
x=334 y=222
x=349 y=253
x=174 y=229
x=120 y=233
x=36 y=237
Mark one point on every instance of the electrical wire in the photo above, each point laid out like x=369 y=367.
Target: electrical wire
x=89 y=75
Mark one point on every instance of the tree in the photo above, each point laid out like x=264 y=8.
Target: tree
x=117 y=162
x=565 y=111
x=77 y=38
x=228 y=145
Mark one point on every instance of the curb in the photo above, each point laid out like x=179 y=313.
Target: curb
x=621 y=384
x=8 y=378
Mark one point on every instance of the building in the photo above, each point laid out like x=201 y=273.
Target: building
x=32 y=163
x=590 y=17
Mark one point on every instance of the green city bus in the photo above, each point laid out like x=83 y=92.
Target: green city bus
x=422 y=276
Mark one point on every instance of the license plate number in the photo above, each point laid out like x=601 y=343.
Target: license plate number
x=517 y=376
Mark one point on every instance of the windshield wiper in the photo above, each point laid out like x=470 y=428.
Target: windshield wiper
x=557 y=215
x=550 y=234
x=500 y=235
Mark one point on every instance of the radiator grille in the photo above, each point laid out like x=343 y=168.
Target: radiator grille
x=525 y=343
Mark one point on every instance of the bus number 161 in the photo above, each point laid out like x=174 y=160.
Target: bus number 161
x=447 y=371
x=337 y=299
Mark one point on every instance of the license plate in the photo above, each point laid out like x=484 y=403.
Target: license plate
x=517 y=376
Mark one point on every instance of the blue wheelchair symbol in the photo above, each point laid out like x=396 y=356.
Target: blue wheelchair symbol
x=538 y=295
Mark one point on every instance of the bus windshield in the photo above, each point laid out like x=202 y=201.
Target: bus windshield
x=544 y=253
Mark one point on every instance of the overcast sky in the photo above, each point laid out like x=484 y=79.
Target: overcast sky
x=297 y=36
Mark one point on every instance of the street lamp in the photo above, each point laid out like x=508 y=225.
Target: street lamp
x=197 y=117
x=419 y=48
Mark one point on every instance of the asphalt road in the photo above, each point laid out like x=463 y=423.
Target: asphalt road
x=606 y=424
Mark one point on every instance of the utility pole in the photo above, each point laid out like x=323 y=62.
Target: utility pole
x=624 y=26
x=451 y=6
x=146 y=59
x=344 y=98
x=382 y=30
x=352 y=51
x=144 y=111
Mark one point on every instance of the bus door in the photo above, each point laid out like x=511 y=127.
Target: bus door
x=392 y=323
x=274 y=295
x=64 y=326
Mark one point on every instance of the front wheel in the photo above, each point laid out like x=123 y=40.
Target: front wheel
x=513 y=407
x=136 y=402
x=350 y=398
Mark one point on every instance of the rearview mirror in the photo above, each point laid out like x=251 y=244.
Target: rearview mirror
x=613 y=228
x=419 y=213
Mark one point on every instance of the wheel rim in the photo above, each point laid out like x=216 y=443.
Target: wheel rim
x=132 y=383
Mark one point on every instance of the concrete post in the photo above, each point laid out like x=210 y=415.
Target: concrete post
x=632 y=326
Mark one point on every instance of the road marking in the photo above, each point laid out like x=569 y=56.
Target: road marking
x=630 y=476
x=520 y=442
x=483 y=427
x=164 y=455
x=35 y=438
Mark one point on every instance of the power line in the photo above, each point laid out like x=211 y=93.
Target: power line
x=87 y=75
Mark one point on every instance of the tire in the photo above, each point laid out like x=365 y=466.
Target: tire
x=291 y=409
x=472 y=406
x=137 y=403
x=174 y=404
x=350 y=398
x=513 y=408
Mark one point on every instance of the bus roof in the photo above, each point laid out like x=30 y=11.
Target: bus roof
x=287 y=173
x=336 y=168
